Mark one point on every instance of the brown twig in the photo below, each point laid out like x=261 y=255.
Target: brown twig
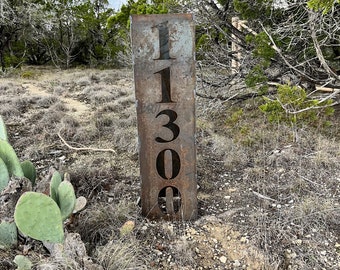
x=84 y=148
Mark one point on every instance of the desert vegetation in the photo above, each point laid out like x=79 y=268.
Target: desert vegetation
x=267 y=135
x=268 y=191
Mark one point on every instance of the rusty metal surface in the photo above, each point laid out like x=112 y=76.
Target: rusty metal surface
x=163 y=56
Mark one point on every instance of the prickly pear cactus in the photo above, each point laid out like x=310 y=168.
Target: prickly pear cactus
x=8 y=234
x=67 y=199
x=38 y=216
x=80 y=204
x=22 y=262
x=55 y=182
x=4 y=175
x=29 y=171
x=8 y=155
x=3 y=131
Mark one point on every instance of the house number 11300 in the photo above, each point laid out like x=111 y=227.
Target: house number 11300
x=163 y=56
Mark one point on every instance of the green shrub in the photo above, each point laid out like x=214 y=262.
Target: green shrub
x=293 y=106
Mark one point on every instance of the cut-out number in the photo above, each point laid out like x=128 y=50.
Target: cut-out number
x=165 y=85
x=163 y=32
x=169 y=200
x=170 y=125
x=168 y=164
x=164 y=54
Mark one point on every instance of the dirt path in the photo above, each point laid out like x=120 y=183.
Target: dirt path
x=77 y=107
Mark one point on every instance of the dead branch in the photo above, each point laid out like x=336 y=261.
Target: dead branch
x=84 y=148
x=312 y=16
x=237 y=97
x=263 y=196
x=279 y=52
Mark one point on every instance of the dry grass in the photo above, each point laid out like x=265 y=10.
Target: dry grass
x=121 y=254
x=97 y=223
x=290 y=188
x=282 y=194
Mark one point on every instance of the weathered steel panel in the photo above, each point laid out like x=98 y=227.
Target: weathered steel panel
x=164 y=74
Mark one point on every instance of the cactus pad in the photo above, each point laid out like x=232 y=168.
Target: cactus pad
x=29 y=171
x=67 y=199
x=4 y=175
x=8 y=234
x=10 y=158
x=22 y=262
x=3 y=131
x=55 y=182
x=38 y=216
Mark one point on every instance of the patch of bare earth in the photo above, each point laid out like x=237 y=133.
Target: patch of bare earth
x=266 y=200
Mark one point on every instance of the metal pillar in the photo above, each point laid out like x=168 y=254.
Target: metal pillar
x=164 y=74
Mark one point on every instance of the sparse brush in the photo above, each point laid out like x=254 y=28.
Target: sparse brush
x=104 y=121
x=100 y=97
x=91 y=89
x=125 y=253
x=9 y=110
x=125 y=138
x=83 y=81
x=47 y=101
x=95 y=77
x=50 y=120
x=103 y=219
x=296 y=231
x=127 y=101
x=11 y=89
x=23 y=103
x=86 y=134
x=112 y=106
x=58 y=90
x=111 y=77
x=97 y=224
x=69 y=126
x=59 y=106
x=100 y=221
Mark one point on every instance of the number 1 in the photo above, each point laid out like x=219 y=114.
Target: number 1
x=164 y=54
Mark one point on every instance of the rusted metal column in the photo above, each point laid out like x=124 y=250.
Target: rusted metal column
x=164 y=74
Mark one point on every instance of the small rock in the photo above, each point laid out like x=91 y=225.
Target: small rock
x=244 y=240
x=298 y=242
x=158 y=252
x=236 y=263
x=289 y=254
x=223 y=259
x=168 y=228
x=191 y=231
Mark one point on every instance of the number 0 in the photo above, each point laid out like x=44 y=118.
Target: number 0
x=168 y=164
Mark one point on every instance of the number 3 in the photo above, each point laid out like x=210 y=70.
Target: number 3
x=170 y=125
